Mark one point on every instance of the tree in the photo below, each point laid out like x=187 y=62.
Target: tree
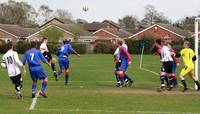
x=63 y=14
x=53 y=34
x=77 y=30
x=45 y=12
x=14 y=12
x=152 y=16
x=129 y=22
x=186 y=23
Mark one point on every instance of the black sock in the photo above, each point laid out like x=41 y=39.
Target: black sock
x=184 y=83
x=53 y=67
x=117 y=77
x=170 y=79
x=127 y=77
x=197 y=83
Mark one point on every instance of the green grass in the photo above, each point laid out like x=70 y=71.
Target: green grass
x=92 y=91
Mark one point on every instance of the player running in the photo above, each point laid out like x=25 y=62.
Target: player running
x=188 y=57
x=33 y=57
x=44 y=50
x=125 y=59
x=63 y=58
x=11 y=62
x=128 y=80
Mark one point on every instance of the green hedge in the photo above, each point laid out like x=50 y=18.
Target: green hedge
x=104 y=48
x=135 y=46
x=22 y=46
x=2 y=46
x=80 y=48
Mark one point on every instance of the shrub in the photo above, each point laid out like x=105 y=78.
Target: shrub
x=80 y=48
x=22 y=46
x=2 y=46
x=104 y=48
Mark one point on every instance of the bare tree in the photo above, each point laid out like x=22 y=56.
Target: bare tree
x=45 y=12
x=129 y=22
x=63 y=14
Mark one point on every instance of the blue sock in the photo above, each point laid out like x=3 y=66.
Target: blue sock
x=44 y=85
x=34 y=84
x=59 y=72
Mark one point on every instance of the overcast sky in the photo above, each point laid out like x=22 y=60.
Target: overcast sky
x=114 y=9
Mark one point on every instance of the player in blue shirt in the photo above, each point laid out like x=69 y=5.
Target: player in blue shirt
x=33 y=57
x=63 y=58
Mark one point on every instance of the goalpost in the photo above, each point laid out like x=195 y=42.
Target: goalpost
x=196 y=39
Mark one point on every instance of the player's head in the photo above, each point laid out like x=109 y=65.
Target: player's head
x=66 y=41
x=45 y=40
x=33 y=44
x=164 y=42
x=10 y=45
x=120 y=42
x=186 y=44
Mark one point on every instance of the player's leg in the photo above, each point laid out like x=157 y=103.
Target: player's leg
x=121 y=78
x=162 y=79
x=128 y=80
x=34 y=83
x=53 y=66
x=191 y=74
x=174 y=79
x=66 y=66
x=17 y=81
x=41 y=74
x=169 y=74
x=117 y=66
x=184 y=71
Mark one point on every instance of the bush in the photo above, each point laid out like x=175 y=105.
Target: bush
x=104 y=48
x=80 y=48
x=3 y=46
x=135 y=46
x=22 y=46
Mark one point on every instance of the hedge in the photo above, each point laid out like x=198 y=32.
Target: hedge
x=104 y=48
x=2 y=46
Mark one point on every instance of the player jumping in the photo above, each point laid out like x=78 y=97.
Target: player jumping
x=44 y=50
x=189 y=57
x=33 y=57
x=125 y=59
x=11 y=62
x=63 y=58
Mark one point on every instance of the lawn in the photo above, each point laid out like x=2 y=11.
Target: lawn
x=92 y=90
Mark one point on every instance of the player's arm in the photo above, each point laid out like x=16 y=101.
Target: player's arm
x=24 y=63
x=73 y=51
x=16 y=57
x=43 y=59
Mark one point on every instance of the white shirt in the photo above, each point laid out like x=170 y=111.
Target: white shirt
x=166 y=54
x=117 y=50
x=43 y=48
x=11 y=62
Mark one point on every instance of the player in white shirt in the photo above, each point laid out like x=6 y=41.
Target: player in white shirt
x=11 y=62
x=44 y=50
x=167 y=60
x=128 y=80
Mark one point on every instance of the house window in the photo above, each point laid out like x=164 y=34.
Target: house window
x=87 y=40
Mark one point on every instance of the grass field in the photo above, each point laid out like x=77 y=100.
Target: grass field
x=92 y=90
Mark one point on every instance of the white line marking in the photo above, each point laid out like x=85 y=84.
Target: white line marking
x=34 y=101
x=158 y=75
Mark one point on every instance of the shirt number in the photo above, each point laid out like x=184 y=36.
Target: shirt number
x=32 y=56
x=10 y=60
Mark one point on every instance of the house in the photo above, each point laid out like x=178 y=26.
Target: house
x=15 y=32
x=157 y=31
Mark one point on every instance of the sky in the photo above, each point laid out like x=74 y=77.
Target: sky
x=100 y=10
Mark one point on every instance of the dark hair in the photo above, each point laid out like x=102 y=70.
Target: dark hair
x=158 y=41
x=66 y=41
x=33 y=44
x=45 y=38
x=9 y=45
x=187 y=42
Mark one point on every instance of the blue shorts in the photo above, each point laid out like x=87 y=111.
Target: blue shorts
x=124 y=66
x=64 y=63
x=174 y=67
x=37 y=73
